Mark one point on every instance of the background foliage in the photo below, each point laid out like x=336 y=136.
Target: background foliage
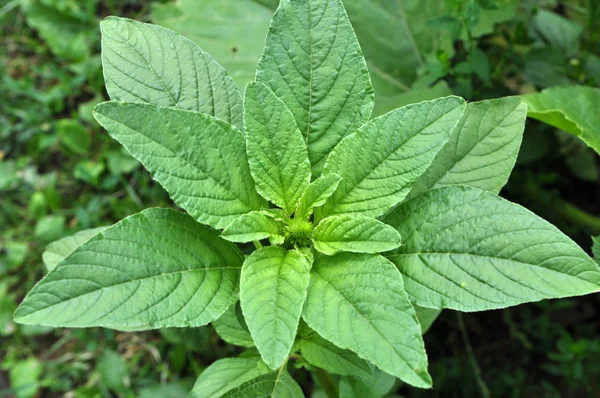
x=60 y=173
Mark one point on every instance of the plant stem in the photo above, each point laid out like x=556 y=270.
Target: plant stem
x=327 y=383
x=485 y=391
x=257 y=244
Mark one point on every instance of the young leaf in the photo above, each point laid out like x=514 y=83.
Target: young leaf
x=272 y=291
x=573 y=109
x=323 y=354
x=482 y=150
x=382 y=160
x=255 y=225
x=276 y=151
x=201 y=161
x=354 y=233
x=274 y=385
x=158 y=268
x=469 y=250
x=232 y=328
x=317 y=193
x=357 y=301
x=226 y=374
x=313 y=62
x=150 y=64
x=58 y=250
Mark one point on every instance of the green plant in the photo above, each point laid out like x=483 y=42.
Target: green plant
x=330 y=283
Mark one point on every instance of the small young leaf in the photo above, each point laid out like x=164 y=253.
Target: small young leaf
x=470 y=250
x=357 y=301
x=317 y=193
x=354 y=233
x=227 y=374
x=313 y=62
x=179 y=75
x=274 y=385
x=382 y=160
x=482 y=150
x=255 y=225
x=276 y=150
x=230 y=328
x=323 y=354
x=272 y=291
x=58 y=250
x=158 y=268
x=201 y=161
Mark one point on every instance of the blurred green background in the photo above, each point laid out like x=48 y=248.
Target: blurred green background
x=61 y=173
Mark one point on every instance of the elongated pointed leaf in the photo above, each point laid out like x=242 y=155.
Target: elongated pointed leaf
x=274 y=385
x=276 y=151
x=469 y=250
x=354 y=233
x=57 y=251
x=313 y=62
x=272 y=291
x=225 y=375
x=155 y=269
x=317 y=193
x=154 y=65
x=201 y=161
x=357 y=301
x=232 y=328
x=255 y=225
x=380 y=163
x=482 y=150
x=323 y=354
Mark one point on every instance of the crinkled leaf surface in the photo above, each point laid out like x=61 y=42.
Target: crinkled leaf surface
x=274 y=385
x=313 y=62
x=276 y=150
x=317 y=193
x=255 y=225
x=57 y=251
x=323 y=354
x=357 y=301
x=354 y=233
x=272 y=291
x=232 y=31
x=232 y=327
x=226 y=374
x=155 y=269
x=382 y=160
x=200 y=160
x=482 y=150
x=154 y=65
x=573 y=109
x=470 y=250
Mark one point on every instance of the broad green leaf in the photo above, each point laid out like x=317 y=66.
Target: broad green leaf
x=554 y=30
x=382 y=160
x=313 y=62
x=226 y=374
x=354 y=233
x=255 y=225
x=200 y=160
x=573 y=109
x=323 y=354
x=57 y=251
x=232 y=328
x=596 y=249
x=150 y=64
x=317 y=193
x=470 y=250
x=272 y=291
x=377 y=385
x=232 y=31
x=482 y=150
x=155 y=269
x=274 y=385
x=276 y=150
x=357 y=301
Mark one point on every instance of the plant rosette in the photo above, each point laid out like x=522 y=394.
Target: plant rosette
x=362 y=227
